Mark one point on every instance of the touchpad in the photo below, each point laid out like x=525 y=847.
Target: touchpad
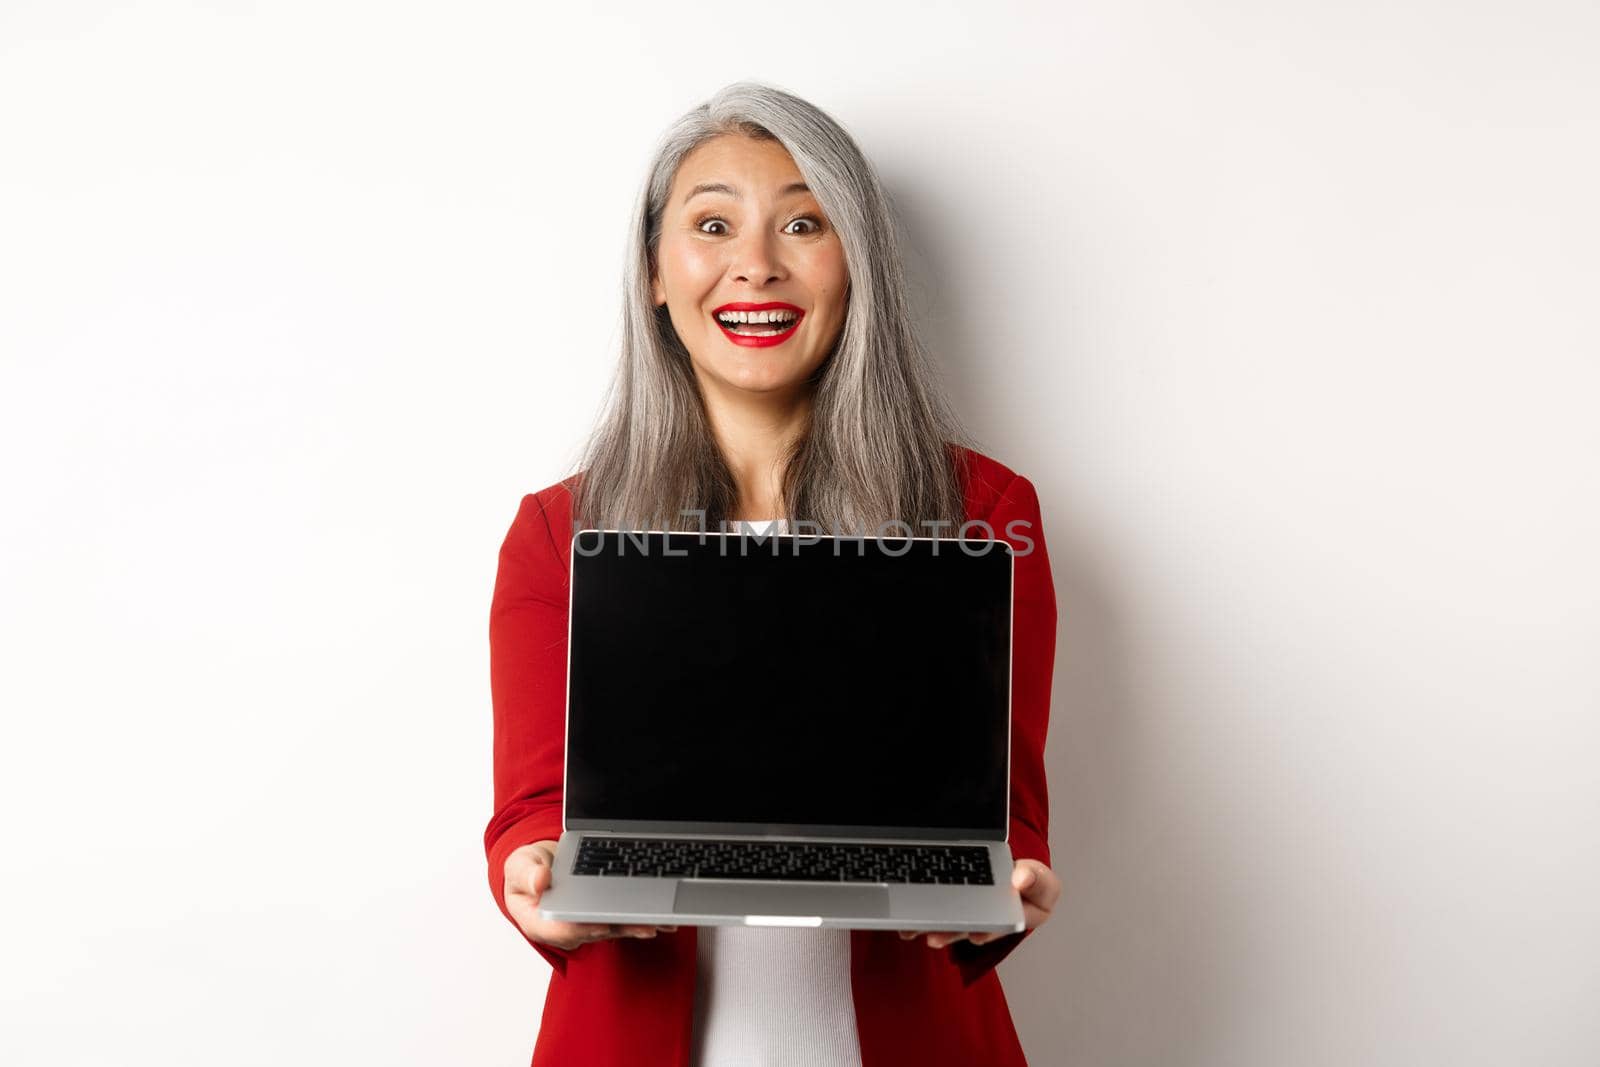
x=768 y=898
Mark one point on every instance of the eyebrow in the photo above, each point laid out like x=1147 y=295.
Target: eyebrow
x=722 y=187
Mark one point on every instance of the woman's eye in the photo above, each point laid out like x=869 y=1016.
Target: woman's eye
x=813 y=225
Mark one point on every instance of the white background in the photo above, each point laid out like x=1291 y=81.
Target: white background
x=1289 y=311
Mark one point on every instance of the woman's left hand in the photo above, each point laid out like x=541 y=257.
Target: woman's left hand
x=1040 y=889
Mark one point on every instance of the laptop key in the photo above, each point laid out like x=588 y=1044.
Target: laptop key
x=783 y=861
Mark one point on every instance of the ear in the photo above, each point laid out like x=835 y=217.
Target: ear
x=657 y=293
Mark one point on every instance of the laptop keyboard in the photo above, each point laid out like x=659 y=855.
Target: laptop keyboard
x=782 y=861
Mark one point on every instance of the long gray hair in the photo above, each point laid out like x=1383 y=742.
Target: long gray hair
x=883 y=443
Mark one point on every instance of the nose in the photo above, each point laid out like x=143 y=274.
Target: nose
x=757 y=259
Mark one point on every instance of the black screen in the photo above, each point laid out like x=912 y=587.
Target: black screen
x=789 y=683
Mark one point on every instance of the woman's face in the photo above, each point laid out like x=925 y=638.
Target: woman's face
x=757 y=238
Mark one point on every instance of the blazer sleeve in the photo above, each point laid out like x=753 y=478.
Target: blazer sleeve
x=527 y=673
x=1016 y=519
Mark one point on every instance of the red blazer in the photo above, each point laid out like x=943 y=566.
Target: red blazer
x=630 y=1001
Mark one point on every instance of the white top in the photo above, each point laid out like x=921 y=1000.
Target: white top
x=773 y=996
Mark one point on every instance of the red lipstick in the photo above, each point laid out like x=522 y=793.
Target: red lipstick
x=760 y=340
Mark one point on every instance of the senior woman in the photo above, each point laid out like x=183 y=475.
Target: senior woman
x=816 y=403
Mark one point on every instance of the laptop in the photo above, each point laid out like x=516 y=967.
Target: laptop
x=787 y=730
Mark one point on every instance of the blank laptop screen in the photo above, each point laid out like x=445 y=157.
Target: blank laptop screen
x=789 y=684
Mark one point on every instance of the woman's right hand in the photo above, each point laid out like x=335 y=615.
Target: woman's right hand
x=528 y=875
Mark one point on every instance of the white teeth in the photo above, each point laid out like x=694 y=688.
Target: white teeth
x=755 y=316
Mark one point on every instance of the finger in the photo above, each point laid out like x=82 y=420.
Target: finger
x=942 y=939
x=1040 y=889
x=528 y=872
x=602 y=931
x=637 y=931
x=910 y=935
x=528 y=883
x=1050 y=895
x=523 y=912
x=1036 y=882
x=565 y=935
x=569 y=935
x=539 y=878
x=572 y=935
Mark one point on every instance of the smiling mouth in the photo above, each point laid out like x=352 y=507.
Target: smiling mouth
x=757 y=323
